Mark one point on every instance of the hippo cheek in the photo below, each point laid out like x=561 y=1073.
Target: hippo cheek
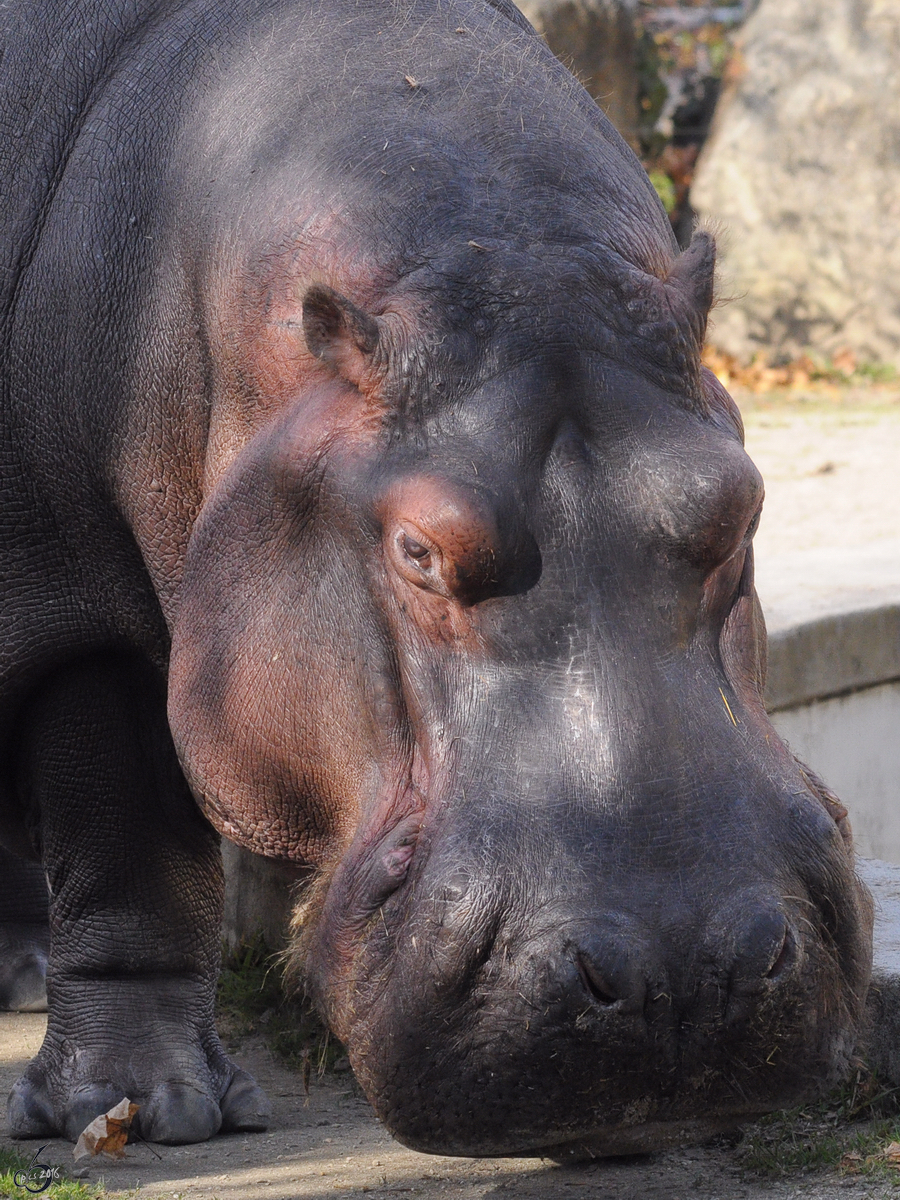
x=344 y=921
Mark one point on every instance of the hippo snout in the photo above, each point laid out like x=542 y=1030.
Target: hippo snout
x=601 y=1028
x=744 y=965
x=763 y=954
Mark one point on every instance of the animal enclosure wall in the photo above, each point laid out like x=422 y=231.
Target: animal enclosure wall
x=853 y=742
x=834 y=695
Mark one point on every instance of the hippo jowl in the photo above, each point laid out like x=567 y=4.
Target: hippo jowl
x=364 y=499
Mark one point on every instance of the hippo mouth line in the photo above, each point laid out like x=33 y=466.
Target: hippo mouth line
x=647 y=1138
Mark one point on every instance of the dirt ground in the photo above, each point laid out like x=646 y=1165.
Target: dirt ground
x=329 y=1144
x=832 y=482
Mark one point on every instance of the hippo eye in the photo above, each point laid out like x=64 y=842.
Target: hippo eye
x=414 y=549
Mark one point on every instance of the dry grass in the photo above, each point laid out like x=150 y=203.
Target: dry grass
x=855 y=1130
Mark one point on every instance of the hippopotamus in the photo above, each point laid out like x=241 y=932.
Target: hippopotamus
x=365 y=501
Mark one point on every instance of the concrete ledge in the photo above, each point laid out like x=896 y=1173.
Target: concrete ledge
x=832 y=655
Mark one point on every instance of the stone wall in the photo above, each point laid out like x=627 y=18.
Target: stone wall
x=802 y=168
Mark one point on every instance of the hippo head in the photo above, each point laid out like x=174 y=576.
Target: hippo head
x=468 y=621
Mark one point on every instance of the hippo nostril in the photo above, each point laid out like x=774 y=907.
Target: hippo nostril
x=784 y=959
x=766 y=954
x=594 y=983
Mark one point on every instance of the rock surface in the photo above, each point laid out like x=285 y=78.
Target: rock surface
x=803 y=169
x=595 y=40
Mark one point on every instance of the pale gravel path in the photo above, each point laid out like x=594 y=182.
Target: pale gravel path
x=824 y=532
x=830 y=534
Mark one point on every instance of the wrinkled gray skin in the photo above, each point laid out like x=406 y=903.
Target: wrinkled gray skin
x=351 y=396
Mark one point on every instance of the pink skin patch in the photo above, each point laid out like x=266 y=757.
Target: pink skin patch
x=396 y=862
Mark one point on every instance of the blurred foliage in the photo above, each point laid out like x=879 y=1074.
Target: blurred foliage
x=252 y=999
x=652 y=92
x=806 y=373
x=665 y=189
x=680 y=75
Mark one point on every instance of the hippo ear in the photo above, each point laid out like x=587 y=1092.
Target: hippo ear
x=693 y=274
x=339 y=333
x=666 y=317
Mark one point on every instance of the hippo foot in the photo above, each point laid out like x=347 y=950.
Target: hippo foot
x=186 y=1093
x=23 y=967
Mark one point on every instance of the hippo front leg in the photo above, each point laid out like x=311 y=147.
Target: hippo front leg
x=24 y=935
x=136 y=896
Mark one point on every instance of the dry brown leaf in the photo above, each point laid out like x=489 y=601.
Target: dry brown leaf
x=891 y=1154
x=851 y=1161
x=108 y=1133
